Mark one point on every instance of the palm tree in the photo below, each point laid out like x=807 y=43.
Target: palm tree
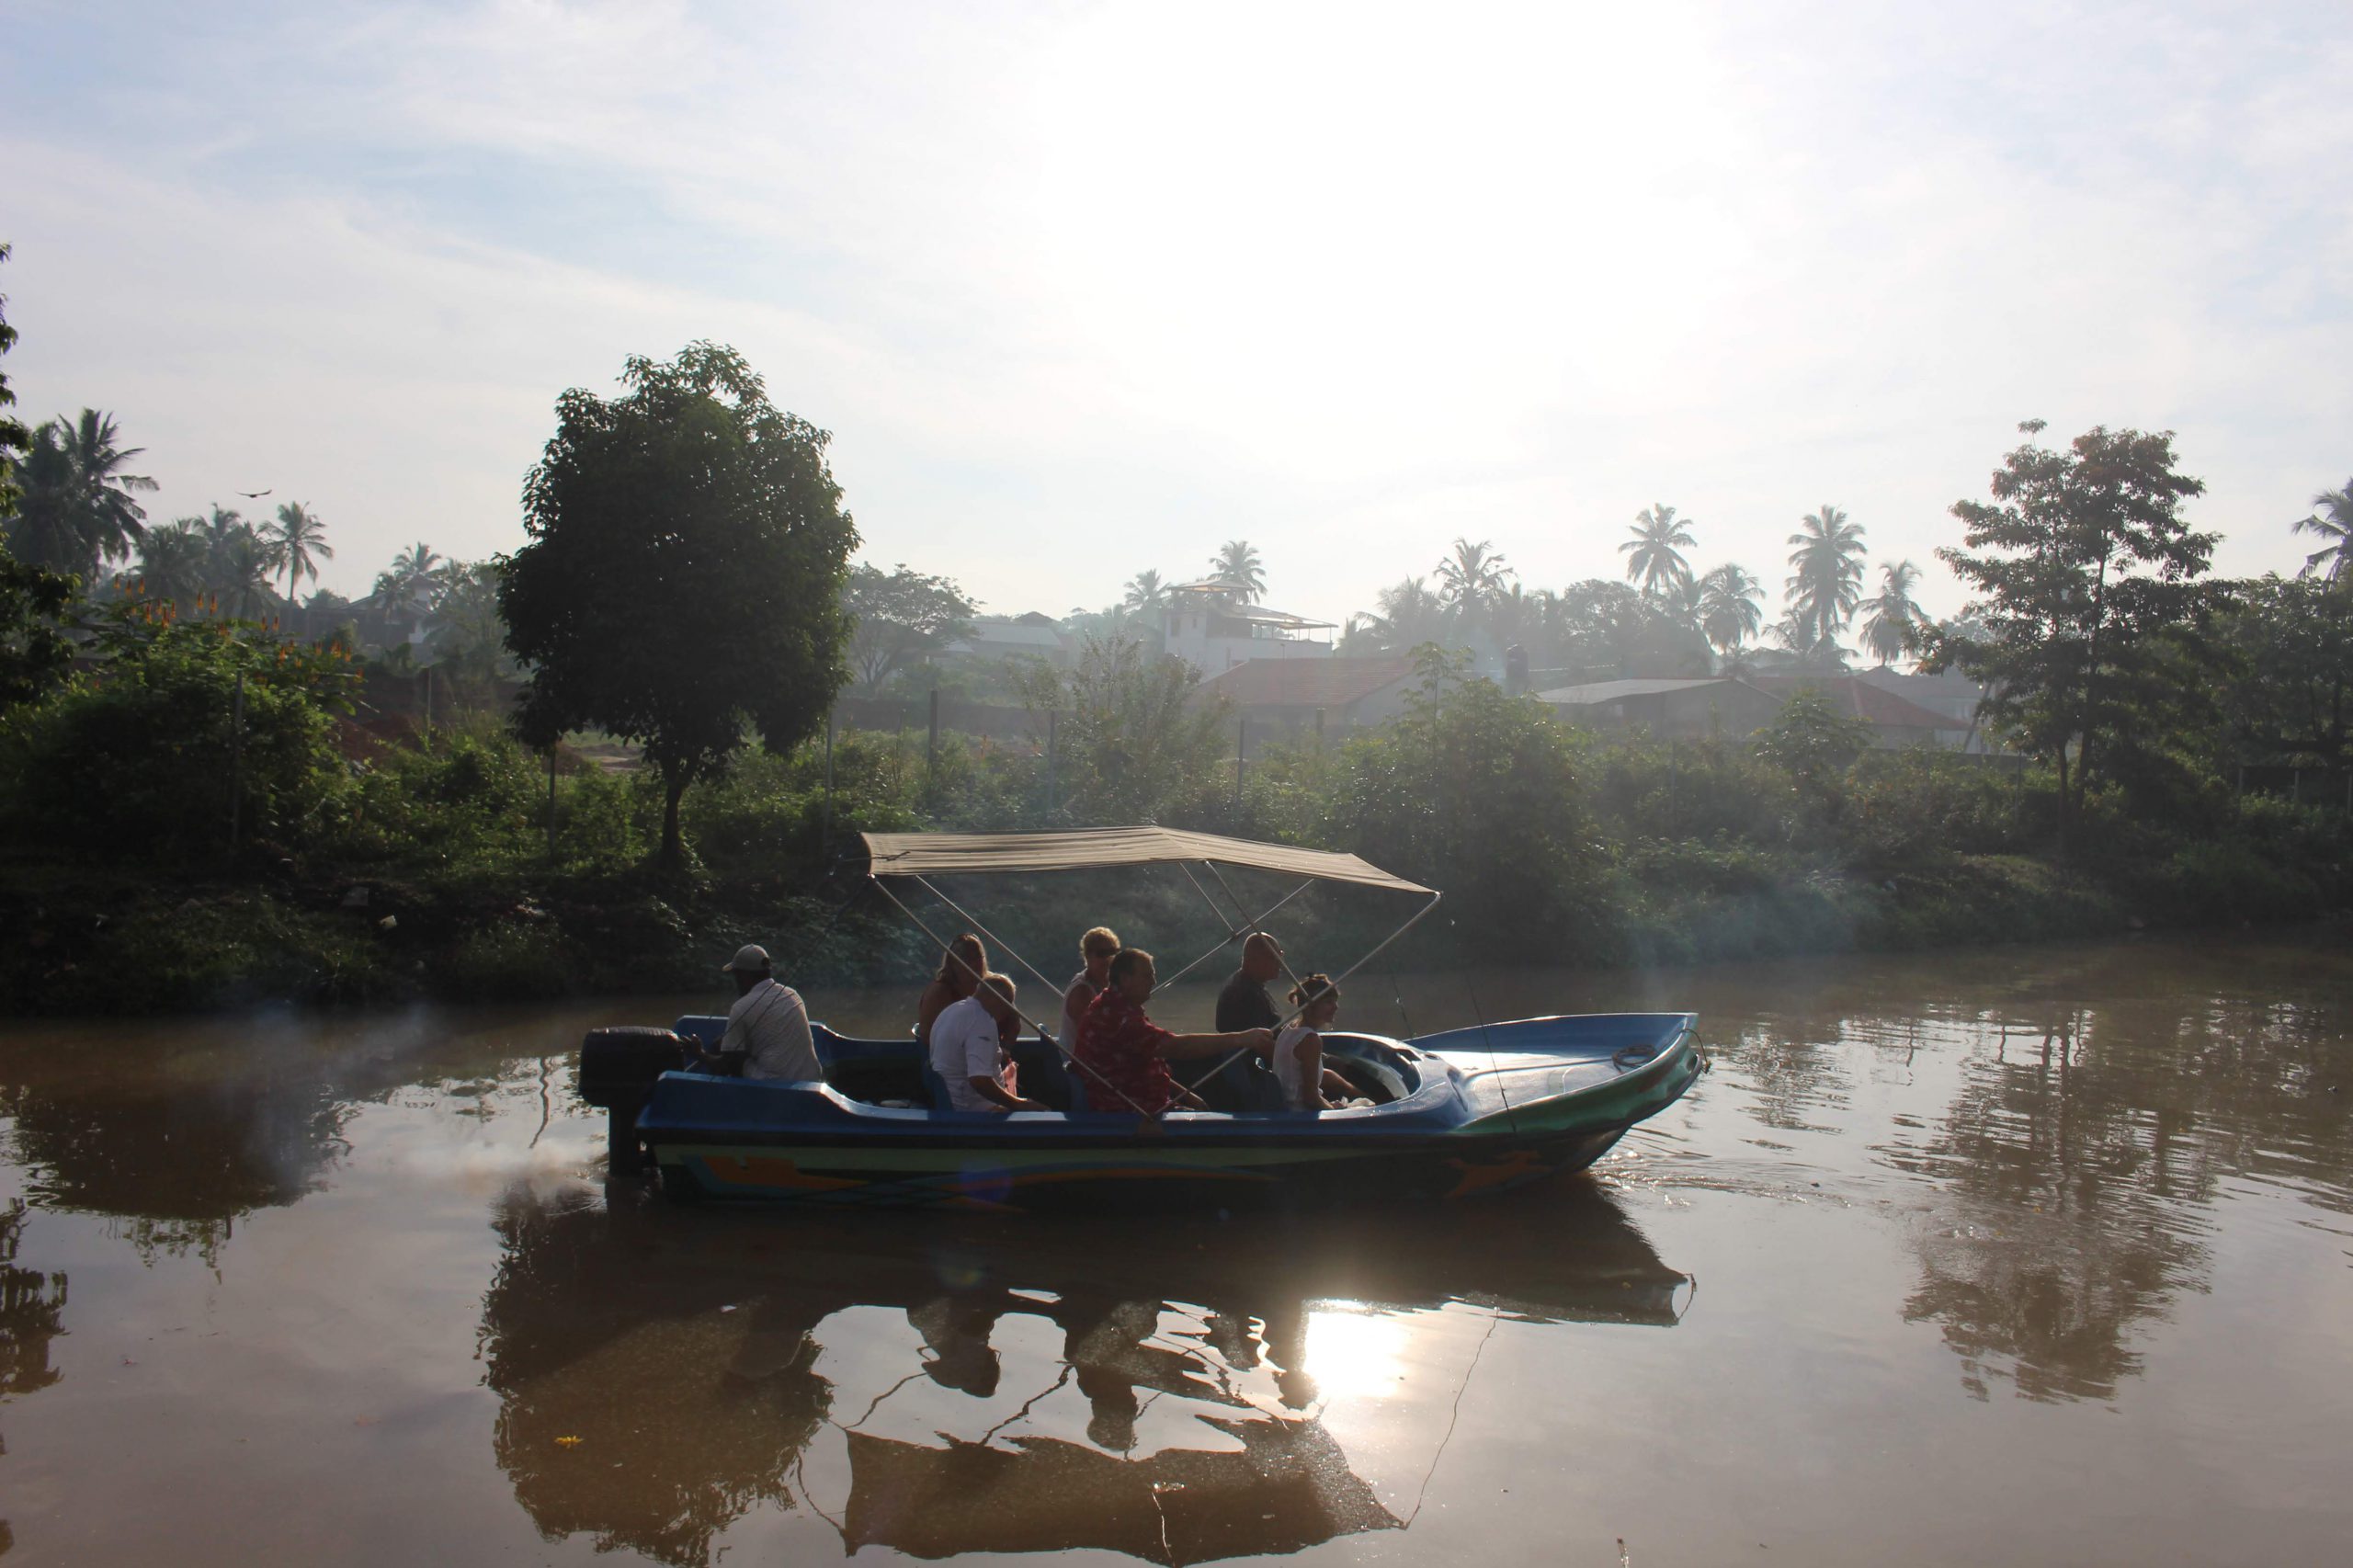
x=1655 y=555
x=1472 y=574
x=406 y=587
x=1828 y=580
x=301 y=541
x=242 y=565
x=1894 y=613
x=1728 y=611
x=77 y=508
x=1238 y=564
x=172 y=560
x=1145 y=593
x=2336 y=525
x=1410 y=615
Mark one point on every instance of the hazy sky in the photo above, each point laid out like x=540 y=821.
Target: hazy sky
x=1083 y=289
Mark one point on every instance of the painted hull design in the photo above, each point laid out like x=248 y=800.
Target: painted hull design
x=1471 y=1111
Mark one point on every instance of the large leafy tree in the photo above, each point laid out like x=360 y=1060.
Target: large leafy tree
x=2332 y=519
x=682 y=582
x=1238 y=564
x=1601 y=630
x=1138 y=742
x=2085 y=577
x=14 y=438
x=1655 y=555
x=1893 y=614
x=1826 y=577
x=1730 y=609
x=36 y=610
x=901 y=617
x=2290 y=691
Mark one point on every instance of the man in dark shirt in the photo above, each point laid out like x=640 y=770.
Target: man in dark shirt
x=1244 y=1004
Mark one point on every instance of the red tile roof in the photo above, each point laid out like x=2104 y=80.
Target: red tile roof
x=1862 y=700
x=1306 y=682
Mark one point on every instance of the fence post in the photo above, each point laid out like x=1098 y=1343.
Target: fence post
x=1052 y=715
x=931 y=744
x=826 y=846
x=1240 y=750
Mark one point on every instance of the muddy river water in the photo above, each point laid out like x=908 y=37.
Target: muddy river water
x=2030 y=1257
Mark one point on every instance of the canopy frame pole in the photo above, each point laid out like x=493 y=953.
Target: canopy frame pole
x=1231 y=933
x=1279 y=959
x=1025 y=1018
x=1411 y=921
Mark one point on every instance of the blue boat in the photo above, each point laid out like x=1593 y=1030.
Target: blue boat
x=1456 y=1114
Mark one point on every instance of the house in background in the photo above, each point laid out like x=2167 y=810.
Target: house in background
x=1032 y=636
x=1667 y=708
x=1297 y=697
x=1896 y=721
x=1956 y=696
x=1213 y=627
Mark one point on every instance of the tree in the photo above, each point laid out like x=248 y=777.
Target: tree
x=76 y=508
x=1135 y=741
x=2332 y=520
x=301 y=540
x=682 y=579
x=1894 y=614
x=1655 y=555
x=2289 y=692
x=901 y=617
x=1814 y=741
x=2086 y=572
x=173 y=560
x=1146 y=594
x=1828 y=576
x=1602 y=631
x=407 y=588
x=15 y=439
x=1728 y=611
x=1238 y=564
x=36 y=610
x=1409 y=616
x=1472 y=574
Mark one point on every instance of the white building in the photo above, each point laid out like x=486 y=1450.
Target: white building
x=1213 y=627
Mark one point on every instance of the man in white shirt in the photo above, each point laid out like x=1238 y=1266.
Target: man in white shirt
x=769 y=1025
x=968 y=1042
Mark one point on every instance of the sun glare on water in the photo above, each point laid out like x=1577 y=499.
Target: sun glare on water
x=1353 y=1351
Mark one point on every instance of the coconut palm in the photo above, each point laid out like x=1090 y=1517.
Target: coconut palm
x=2334 y=522
x=1471 y=574
x=76 y=508
x=1894 y=613
x=1238 y=564
x=1730 y=613
x=301 y=541
x=172 y=560
x=1409 y=616
x=1147 y=594
x=405 y=589
x=1828 y=580
x=242 y=565
x=1655 y=555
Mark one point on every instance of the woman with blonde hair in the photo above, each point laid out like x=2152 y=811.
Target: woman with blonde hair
x=1097 y=948
x=961 y=970
x=1307 y=1083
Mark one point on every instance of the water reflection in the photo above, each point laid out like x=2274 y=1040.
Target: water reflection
x=661 y=1374
x=33 y=1307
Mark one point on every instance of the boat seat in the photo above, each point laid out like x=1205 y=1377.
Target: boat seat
x=1044 y=1077
x=1241 y=1084
x=935 y=1087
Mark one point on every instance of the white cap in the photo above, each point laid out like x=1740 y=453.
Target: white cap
x=750 y=959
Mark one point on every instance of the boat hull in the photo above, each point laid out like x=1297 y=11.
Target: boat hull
x=1481 y=1112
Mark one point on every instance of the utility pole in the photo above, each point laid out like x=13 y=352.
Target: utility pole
x=551 y=745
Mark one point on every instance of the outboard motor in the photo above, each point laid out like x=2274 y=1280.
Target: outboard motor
x=618 y=1068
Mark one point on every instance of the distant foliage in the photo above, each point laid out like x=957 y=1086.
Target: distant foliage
x=1132 y=743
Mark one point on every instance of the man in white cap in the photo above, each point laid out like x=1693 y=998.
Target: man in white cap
x=769 y=1025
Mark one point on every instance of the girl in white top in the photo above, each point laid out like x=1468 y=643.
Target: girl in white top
x=1099 y=948
x=1307 y=1083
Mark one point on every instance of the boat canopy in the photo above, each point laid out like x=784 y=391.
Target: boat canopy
x=949 y=854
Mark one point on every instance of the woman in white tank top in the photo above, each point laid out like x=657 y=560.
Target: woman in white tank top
x=1307 y=1083
x=1099 y=948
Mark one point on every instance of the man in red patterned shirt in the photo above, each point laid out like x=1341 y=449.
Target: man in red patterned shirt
x=1123 y=1056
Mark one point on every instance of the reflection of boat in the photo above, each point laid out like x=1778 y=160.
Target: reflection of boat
x=1073 y=1387
x=1468 y=1111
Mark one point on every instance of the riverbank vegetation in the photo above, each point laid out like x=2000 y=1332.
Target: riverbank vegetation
x=212 y=795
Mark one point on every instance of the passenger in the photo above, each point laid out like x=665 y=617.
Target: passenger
x=1124 y=1055
x=961 y=968
x=1308 y=1084
x=768 y=1028
x=1244 y=1004
x=967 y=1048
x=1096 y=948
